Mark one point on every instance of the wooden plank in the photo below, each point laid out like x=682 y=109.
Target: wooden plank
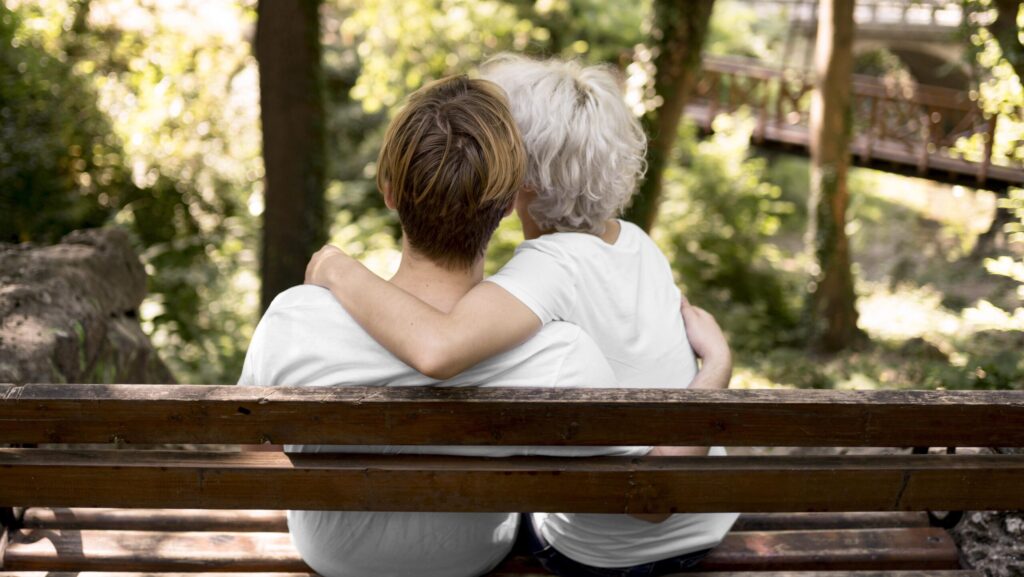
x=44 y=550
x=270 y=521
x=158 y=574
x=921 y=573
x=516 y=416
x=517 y=573
x=153 y=479
x=832 y=553
x=156 y=519
x=819 y=521
x=851 y=549
x=267 y=552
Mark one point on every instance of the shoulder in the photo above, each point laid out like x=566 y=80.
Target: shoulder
x=307 y=338
x=632 y=235
x=303 y=310
x=303 y=297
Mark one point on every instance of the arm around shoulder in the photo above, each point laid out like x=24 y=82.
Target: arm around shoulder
x=487 y=321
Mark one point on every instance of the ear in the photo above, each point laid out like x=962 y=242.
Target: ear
x=389 y=198
x=524 y=197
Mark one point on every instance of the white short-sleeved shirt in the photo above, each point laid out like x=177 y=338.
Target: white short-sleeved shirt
x=625 y=297
x=307 y=339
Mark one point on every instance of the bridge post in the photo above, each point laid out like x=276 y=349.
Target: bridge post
x=922 y=155
x=990 y=136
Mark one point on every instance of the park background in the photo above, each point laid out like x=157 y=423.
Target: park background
x=146 y=115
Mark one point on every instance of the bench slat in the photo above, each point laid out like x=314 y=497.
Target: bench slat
x=152 y=479
x=156 y=519
x=42 y=550
x=500 y=574
x=808 y=521
x=274 y=521
x=143 y=414
x=920 y=548
x=221 y=574
x=850 y=549
x=925 y=573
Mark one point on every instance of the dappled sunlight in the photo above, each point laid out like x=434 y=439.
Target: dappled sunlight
x=986 y=316
x=967 y=211
x=905 y=313
x=747 y=378
x=917 y=312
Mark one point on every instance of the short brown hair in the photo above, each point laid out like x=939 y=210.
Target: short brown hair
x=454 y=160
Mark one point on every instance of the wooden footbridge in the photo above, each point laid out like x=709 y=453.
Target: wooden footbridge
x=897 y=127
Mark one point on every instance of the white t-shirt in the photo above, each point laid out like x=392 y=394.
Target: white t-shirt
x=306 y=338
x=625 y=297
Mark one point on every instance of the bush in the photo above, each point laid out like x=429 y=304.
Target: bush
x=716 y=224
x=61 y=167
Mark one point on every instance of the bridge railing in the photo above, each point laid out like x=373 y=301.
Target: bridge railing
x=921 y=13
x=918 y=127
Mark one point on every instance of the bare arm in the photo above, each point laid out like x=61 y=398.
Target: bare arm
x=709 y=344
x=487 y=321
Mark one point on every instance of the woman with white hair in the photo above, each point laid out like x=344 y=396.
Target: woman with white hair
x=581 y=264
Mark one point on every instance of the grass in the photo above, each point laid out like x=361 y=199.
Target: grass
x=936 y=318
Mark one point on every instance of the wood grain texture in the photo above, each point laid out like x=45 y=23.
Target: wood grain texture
x=40 y=549
x=494 y=416
x=274 y=521
x=190 y=574
x=819 y=521
x=851 y=549
x=267 y=521
x=45 y=550
x=910 y=573
x=154 y=479
x=517 y=572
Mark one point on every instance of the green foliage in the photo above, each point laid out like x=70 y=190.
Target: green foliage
x=61 y=168
x=999 y=91
x=716 y=224
x=738 y=30
x=146 y=114
x=159 y=120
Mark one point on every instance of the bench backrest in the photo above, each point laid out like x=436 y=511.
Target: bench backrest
x=146 y=414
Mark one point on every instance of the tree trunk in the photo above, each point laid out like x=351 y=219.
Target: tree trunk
x=1004 y=30
x=292 y=114
x=832 y=312
x=678 y=33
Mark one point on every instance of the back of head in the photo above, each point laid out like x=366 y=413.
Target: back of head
x=454 y=161
x=585 y=146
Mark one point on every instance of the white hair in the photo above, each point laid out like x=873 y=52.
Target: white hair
x=585 y=146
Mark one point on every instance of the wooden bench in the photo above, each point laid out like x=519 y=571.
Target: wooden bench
x=87 y=511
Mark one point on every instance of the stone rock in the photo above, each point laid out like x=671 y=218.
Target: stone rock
x=993 y=541
x=68 y=312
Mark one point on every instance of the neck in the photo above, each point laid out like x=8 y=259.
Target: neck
x=432 y=283
x=610 y=234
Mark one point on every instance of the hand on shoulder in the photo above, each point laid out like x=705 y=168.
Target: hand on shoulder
x=324 y=263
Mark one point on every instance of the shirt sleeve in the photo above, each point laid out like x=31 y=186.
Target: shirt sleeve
x=542 y=278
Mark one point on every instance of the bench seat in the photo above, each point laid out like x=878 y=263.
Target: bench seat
x=162 y=542
x=826 y=537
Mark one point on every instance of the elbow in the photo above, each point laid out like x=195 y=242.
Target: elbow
x=436 y=363
x=436 y=370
